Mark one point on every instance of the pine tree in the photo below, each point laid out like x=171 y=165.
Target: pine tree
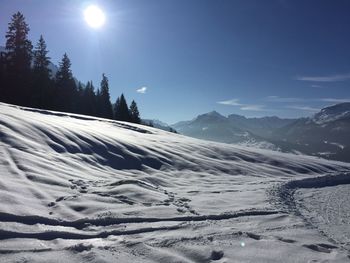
x=42 y=85
x=64 y=72
x=116 y=108
x=3 y=76
x=134 y=113
x=89 y=100
x=122 y=110
x=18 y=61
x=66 y=89
x=41 y=60
x=80 y=99
x=105 y=106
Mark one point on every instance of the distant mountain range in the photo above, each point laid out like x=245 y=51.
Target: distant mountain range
x=326 y=134
x=158 y=124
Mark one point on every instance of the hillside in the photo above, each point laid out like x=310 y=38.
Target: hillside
x=77 y=189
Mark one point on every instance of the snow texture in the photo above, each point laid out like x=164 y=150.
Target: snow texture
x=75 y=188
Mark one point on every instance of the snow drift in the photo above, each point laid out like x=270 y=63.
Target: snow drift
x=75 y=188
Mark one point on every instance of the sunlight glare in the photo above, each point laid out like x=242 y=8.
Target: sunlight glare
x=94 y=16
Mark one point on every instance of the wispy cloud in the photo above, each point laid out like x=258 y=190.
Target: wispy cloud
x=316 y=86
x=303 y=108
x=296 y=100
x=253 y=108
x=283 y=99
x=142 y=90
x=329 y=78
x=232 y=102
x=333 y=100
x=245 y=107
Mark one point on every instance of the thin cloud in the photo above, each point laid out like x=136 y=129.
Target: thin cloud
x=316 y=86
x=142 y=90
x=329 y=78
x=232 y=102
x=283 y=99
x=245 y=107
x=253 y=108
x=333 y=100
x=296 y=100
x=303 y=108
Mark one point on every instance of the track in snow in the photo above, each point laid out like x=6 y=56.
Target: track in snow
x=324 y=202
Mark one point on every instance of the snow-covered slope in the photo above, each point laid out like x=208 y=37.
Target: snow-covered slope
x=76 y=189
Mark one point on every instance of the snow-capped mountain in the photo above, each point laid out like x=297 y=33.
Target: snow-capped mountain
x=77 y=188
x=214 y=127
x=232 y=129
x=326 y=134
x=333 y=113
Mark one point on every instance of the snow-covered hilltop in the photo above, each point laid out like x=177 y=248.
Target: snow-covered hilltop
x=75 y=188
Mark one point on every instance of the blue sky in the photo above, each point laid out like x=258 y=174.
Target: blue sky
x=181 y=58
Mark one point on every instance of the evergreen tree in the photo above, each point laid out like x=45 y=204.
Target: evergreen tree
x=18 y=61
x=3 y=76
x=66 y=89
x=116 y=108
x=42 y=85
x=105 y=106
x=121 y=109
x=134 y=113
x=80 y=99
x=41 y=60
x=172 y=130
x=89 y=100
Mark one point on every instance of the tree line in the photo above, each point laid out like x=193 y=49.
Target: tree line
x=27 y=80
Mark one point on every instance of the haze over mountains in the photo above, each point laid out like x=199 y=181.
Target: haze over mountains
x=326 y=134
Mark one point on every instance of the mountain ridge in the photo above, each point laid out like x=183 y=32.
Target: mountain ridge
x=324 y=134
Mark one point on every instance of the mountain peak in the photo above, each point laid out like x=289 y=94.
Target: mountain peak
x=340 y=107
x=332 y=113
x=214 y=114
x=210 y=117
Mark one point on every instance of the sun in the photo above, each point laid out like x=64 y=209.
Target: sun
x=94 y=16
